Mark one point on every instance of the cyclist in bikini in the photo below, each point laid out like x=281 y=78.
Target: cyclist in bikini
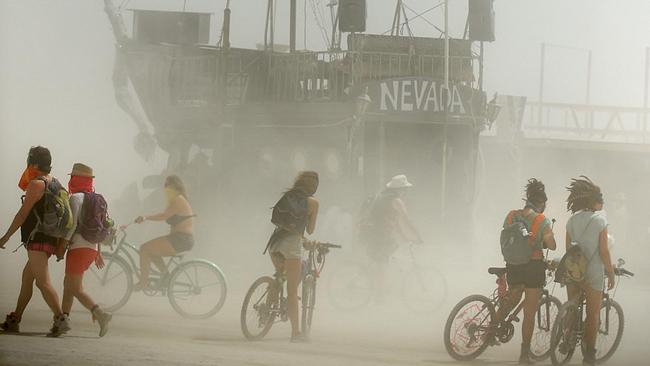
x=179 y=216
x=529 y=278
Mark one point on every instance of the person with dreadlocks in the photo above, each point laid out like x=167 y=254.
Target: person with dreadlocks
x=588 y=229
x=528 y=278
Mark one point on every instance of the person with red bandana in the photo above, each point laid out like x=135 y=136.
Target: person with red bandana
x=40 y=247
x=81 y=253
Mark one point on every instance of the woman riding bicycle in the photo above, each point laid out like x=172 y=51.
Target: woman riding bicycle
x=179 y=216
x=588 y=230
x=529 y=278
x=285 y=246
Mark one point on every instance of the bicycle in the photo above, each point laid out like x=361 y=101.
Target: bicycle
x=470 y=328
x=265 y=302
x=196 y=289
x=568 y=330
x=423 y=287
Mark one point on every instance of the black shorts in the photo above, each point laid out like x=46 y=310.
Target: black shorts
x=530 y=275
x=181 y=242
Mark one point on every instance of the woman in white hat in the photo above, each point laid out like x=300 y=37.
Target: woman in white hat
x=386 y=223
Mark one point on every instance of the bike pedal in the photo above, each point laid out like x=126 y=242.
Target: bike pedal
x=515 y=319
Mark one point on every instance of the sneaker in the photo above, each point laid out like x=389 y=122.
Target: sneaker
x=11 y=324
x=102 y=318
x=60 y=326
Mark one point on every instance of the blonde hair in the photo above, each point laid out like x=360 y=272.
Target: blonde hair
x=307 y=182
x=175 y=182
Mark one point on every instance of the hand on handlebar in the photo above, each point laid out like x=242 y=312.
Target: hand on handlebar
x=139 y=219
x=610 y=280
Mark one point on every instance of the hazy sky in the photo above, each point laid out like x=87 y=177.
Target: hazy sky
x=57 y=58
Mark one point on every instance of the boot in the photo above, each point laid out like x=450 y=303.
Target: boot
x=589 y=356
x=61 y=325
x=11 y=323
x=524 y=357
x=102 y=318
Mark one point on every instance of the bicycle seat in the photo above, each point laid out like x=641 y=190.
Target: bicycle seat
x=499 y=271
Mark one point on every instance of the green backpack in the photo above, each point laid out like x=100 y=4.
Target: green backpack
x=56 y=218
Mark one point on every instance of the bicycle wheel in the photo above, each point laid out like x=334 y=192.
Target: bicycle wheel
x=350 y=287
x=112 y=285
x=564 y=336
x=308 y=303
x=540 y=345
x=466 y=330
x=610 y=331
x=424 y=289
x=259 y=309
x=197 y=289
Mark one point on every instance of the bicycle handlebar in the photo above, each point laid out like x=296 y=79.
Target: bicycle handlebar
x=623 y=272
x=328 y=245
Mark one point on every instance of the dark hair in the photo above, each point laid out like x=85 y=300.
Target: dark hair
x=40 y=156
x=535 y=192
x=175 y=182
x=307 y=182
x=583 y=194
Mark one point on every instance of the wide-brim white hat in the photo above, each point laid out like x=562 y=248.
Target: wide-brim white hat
x=399 y=181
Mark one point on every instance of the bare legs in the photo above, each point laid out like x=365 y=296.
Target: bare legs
x=530 y=308
x=38 y=263
x=72 y=287
x=293 y=268
x=593 y=300
x=153 y=251
x=26 y=291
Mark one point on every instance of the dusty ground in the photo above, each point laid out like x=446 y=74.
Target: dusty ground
x=148 y=332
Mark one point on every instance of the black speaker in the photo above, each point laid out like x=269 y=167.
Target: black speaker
x=352 y=15
x=481 y=20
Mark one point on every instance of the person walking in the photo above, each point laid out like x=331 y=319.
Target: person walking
x=34 y=181
x=82 y=251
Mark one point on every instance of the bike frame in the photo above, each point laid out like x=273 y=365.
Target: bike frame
x=129 y=252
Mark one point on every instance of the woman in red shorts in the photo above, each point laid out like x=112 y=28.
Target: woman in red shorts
x=81 y=253
x=39 y=246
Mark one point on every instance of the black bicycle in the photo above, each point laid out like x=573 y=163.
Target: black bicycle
x=265 y=302
x=569 y=327
x=471 y=327
x=196 y=289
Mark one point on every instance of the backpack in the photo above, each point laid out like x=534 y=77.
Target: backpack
x=290 y=212
x=94 y=223
x=56 y=218
x=574 y=263
x=517 y=238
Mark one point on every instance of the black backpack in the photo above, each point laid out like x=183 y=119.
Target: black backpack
x=290 y=212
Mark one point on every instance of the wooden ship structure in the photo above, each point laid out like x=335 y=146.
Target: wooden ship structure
x=236 y=121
